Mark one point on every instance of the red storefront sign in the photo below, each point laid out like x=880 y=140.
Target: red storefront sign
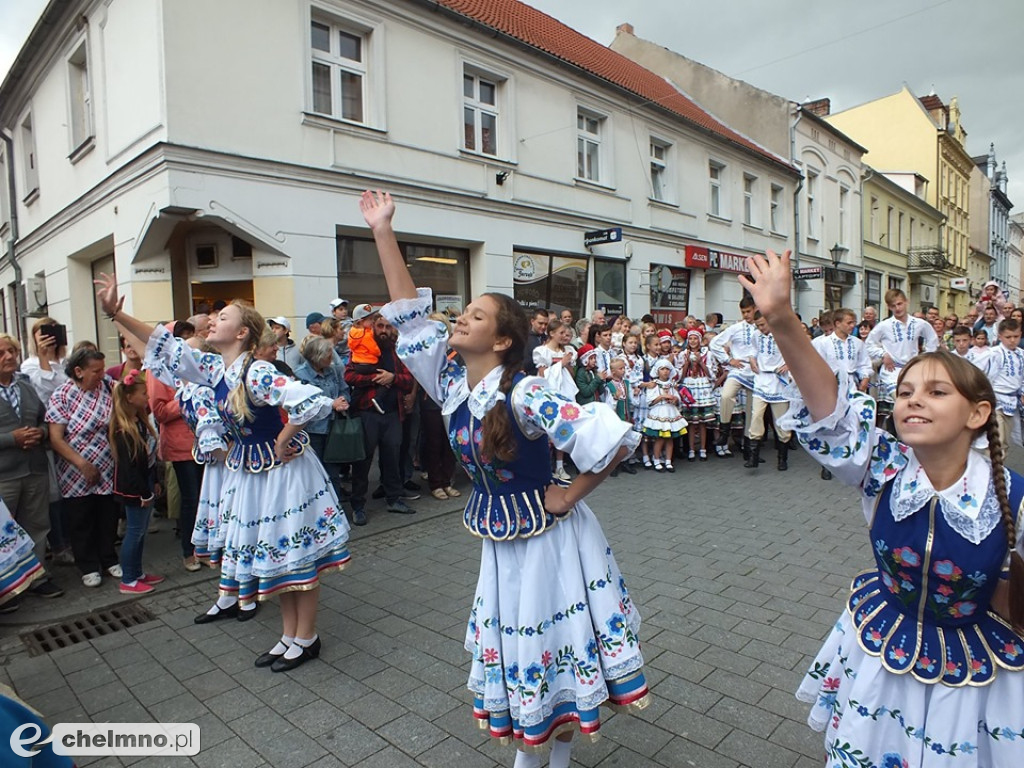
x=709 y=258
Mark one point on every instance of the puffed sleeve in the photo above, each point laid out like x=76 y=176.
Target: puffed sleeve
x=847 y=442
x=199 y=410
x=592 y=434
x=302 y=402
x=423 y=344
x=168 y=356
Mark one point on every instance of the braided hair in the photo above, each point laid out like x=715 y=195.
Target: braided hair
x=974 y=385
x=499 y=440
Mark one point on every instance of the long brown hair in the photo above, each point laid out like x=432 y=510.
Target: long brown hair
x=974 y=385
x=238 y=398
x=125 y=421
x=499 y=440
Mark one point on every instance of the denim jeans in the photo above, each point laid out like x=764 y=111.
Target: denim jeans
x=190 y=478
x=137 y=523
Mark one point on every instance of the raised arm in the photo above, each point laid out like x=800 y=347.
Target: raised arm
x=769 y=283
x=112 y=305
x=378 y=210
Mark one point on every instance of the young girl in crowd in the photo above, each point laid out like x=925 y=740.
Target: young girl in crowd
x=636 y=373
x=664 y=422
x=133 y=442
x=926 y=665
x=554 y=361
x=589 y=385
x=283 y=523
x=696 y=378
x=545 y=561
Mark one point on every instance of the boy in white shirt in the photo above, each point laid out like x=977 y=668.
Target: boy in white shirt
x=1004 y=367
x=733 y=348
x=894 y=341
x=771 y=381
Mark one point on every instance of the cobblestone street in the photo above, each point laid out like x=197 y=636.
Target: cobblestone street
x=738 y=575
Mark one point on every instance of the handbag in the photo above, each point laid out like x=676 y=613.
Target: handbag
x=345 y=441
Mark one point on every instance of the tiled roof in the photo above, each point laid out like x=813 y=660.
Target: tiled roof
x=538 y=30
x=931 y=101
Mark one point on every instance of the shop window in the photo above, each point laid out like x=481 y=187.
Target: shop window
x=552 y=282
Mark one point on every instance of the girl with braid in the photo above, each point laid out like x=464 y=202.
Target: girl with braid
x=282 y=524
x=552 y=630
x=926 y=665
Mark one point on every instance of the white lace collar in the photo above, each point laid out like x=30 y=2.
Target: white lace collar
x=482 y=397
x=970 y=505
x=233 y=372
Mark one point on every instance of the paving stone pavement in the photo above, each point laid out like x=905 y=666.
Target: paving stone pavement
x=738 y=575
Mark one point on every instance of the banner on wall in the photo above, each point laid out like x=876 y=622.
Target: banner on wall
x=700 y=257
x=670 y=293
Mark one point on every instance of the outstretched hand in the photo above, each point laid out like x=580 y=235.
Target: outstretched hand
x=769 y=282
x=107 y=294
x=378 y=208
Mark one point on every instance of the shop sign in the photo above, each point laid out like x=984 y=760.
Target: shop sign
x=670 y=293
x=602 y=236
x=708 y=258
x=840 y=277
x=808 y=273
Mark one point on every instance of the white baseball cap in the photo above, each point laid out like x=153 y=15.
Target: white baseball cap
x=280 y=320
x=335 y=303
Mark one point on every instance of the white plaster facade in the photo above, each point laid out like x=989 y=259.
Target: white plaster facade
x=204 y=139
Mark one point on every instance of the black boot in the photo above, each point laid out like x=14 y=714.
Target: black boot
x=753 y=454
x=746 y=450
x=783 y=457
x=723 y=435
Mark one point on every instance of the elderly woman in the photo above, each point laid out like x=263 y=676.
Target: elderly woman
x=78 y=415
x=24 y=470
x=319 y=368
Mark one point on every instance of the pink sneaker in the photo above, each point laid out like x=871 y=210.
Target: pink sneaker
x=138 y=588
x=151 y=579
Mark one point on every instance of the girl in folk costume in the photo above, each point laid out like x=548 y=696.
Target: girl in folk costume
x=554 y=361
x=618 y=394
x=284 y=525
x=638 y=386
x=552 y=631
x=664 y=422
x=19 y=568
x=696 y=379
x=926 y=665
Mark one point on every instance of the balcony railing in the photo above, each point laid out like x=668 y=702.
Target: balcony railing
x=926 y=258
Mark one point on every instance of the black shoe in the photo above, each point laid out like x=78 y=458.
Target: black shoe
x=378 y=493
x=409 y=485
x=753 y=455
x=407 y=493
x=399 y=507
x=268 y=658
x=46 y=589
x=358 y=516
x=614 y=472
x=825 y=474
x=284 y=665
x=11 y=605
x=246 y=615
x=629 y=469
x=222 y=613
x=783 y=462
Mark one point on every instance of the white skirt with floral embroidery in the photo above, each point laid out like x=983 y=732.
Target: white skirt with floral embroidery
x=872 y=717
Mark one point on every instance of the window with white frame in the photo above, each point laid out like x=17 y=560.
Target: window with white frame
x=749 y=199
x=844 y=206
x=812 y=204
x=28 y=158
x=659 y=169
x=339 y=68
x=899 y=235
x=777 y=209
x=890 y=228
x=589 y=127
x=910 y=234
x=79 y=96
x=873 y=223
x=716 y=175
x=480 y=112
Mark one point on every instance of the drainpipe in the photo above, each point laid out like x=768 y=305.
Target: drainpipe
x=796 y=205
x=8 y=138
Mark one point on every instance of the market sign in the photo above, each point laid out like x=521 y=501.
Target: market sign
x=709 y=258
x=808 y=273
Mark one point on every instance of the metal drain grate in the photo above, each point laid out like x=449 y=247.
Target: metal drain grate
x=86 y=627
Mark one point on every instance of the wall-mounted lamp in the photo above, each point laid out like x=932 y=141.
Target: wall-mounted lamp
x=837 y=252
x=500 y=176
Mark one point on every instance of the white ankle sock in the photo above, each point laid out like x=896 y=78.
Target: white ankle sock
x=282 y=645
x=295 y=649
x=559 y=464
x=526 y=760
x=560 y=751
x=223 y=602
x=249 y=607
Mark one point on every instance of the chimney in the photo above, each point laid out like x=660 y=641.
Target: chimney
x=625 y=28
x=818 y=107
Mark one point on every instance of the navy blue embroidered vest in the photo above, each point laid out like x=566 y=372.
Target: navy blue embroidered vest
x=252 y=442
x=507 y=501
x=925 y=609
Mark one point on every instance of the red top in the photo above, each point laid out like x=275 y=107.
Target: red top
x=176 y=439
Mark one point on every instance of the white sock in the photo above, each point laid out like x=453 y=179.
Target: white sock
x=527 y=760
x=295 y=649
x=560 y=751
x=130 y=583
x=282 y=645
x=249 y=607
x=559 y=464
x=223 y=602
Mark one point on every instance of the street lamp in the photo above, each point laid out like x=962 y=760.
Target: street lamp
x=837 y=252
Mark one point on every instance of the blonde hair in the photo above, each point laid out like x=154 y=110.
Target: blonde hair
x=36 y=326
x=124 y=421
x=12 y=341
x=441 y=317
x=329 y=327
x=251 y=320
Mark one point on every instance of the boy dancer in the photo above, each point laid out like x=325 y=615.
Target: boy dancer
x=1004 y=367
x=894 y=341
x=771 y=379
x=733 y=348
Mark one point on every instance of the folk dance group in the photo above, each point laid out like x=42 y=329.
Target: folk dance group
x=923 y=668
